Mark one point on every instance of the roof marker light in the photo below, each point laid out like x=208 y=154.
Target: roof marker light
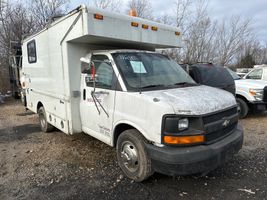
x=133 y=13
x=135 y=24
x=98 y=16
x=145 y=26
x=154 y=28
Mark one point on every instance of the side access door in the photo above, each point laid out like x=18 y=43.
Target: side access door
x=97 y=103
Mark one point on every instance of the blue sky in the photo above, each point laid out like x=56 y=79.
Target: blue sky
x=219 y=10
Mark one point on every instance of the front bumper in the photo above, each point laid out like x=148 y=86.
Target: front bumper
x=195 y=159
x=258 y=105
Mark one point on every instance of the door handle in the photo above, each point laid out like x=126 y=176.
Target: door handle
x=84 y=94
x=101 y=92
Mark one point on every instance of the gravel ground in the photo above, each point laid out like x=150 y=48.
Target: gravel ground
x=36 y=165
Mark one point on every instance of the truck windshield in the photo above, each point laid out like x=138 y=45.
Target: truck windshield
x=148 y=71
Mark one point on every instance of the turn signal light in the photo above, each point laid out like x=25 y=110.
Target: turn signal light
x=135 y=24
x=183 y=139
x=252 y=92
x=98 y=16
x=177 y=33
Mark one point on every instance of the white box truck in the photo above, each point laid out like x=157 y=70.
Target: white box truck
x=97 y=72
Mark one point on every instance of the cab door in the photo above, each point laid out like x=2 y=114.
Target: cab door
x=97 y=104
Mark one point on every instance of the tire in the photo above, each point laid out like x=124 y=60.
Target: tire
x=243 y=108
x=132 y=155
x=45 y=126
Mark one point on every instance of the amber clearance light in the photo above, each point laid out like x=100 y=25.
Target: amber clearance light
x=154 y=28
x=134 y=24
x=98 y=16
x=183 y=139
x=145 y=26
x=177 y=33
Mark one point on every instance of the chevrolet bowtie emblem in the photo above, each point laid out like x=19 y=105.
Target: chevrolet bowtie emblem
x=226 y=123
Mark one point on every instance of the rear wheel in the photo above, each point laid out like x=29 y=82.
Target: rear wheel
x=45 y=126
x=132 y=155
x=242 y=108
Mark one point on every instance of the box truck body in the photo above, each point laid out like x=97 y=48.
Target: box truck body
x=96 y=72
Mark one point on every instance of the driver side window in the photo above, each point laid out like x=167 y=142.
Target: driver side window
x=104 y=72
x=255 y=74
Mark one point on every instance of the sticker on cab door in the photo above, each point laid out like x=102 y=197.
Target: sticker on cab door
x=104 y=131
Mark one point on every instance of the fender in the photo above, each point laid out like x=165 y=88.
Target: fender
x=134 y=125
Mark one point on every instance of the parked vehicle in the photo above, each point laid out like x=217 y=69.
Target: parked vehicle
x=259 y=73
x=14 y=68
x=139 y=101
x=243 y=71
x=251 y=95
x=211 y=75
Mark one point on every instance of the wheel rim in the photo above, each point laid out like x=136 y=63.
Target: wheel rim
x=42 y=119
x=129 y=156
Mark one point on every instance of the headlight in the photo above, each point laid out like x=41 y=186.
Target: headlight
x=183 y=124
x=257 y=94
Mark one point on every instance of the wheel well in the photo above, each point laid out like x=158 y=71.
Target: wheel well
x=241 y=97
x=118 y=130
x=39 y=105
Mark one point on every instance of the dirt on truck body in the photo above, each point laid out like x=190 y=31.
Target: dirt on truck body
x=36 y=165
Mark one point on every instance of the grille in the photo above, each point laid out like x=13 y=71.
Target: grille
x=265 y=94
x=218 y=116
x=214 y=124
x=213 y=136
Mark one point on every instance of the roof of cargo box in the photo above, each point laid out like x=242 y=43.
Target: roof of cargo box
x=101 y=27
x=113 y=29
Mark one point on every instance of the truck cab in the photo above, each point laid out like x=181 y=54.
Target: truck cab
x=259 y=73
x=98 y=72
x=155 y=114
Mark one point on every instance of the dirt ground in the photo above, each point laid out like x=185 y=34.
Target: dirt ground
x=36 y=165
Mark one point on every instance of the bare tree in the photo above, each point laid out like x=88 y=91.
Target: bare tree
x=230 y=36
x=43 y=10
x=142 y=7
x=14 y=23
x=182 y=12
x=113 y=5
x=198 y=32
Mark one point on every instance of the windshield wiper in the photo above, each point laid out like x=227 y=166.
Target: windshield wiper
x=184 y=83
x=151 y=86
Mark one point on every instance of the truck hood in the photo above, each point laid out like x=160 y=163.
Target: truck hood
x=250 y=83
x=197 y=100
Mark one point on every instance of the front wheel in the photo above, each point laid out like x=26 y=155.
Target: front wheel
x=45 y=126
x=242 y=108
x=132 y=155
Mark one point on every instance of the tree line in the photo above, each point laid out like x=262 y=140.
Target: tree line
x=231 y=41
